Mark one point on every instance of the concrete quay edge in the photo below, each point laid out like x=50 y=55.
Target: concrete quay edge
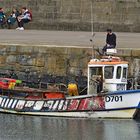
x=123 y=52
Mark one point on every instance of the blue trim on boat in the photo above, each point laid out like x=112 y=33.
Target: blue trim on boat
x=124 y=92
x=139 y=105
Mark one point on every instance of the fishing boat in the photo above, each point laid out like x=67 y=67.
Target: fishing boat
x=107 y=95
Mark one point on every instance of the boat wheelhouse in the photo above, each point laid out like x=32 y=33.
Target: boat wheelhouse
x=107 y=74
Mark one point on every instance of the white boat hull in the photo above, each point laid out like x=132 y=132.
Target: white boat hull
x=124 y=114
x=115 y=105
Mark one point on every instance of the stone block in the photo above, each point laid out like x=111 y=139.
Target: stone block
x=56 y=50
x=25 y=49
x=51 y=63
x=136 y=68
x=59 y=71
x=11 y=59
x=60 y=62
x=40 y=49
x=26 y=60
x=40 y=62
x=136 y=53
x=2 y=60
x=11 y=49
x=124 y=52
x=3 y=50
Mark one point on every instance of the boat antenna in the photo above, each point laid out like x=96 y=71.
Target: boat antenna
x=91 y=14
x=92 y=33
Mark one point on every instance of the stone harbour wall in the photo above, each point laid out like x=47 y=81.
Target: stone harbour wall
x=59 y=61
x=120 y=15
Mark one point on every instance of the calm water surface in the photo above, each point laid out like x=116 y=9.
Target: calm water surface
x=16 y=127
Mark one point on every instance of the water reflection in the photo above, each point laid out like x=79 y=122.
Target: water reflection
x=43 y=128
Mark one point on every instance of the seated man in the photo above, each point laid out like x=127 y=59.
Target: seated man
x=2 y=17
x=110 y=41
x=25 y=17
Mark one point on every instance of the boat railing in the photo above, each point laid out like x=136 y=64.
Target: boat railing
x=133 y=83
x=53 y=86
x=23 y=91
x=32 y=93
x=137 y=83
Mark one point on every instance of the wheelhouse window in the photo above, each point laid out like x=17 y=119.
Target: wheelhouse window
x=124 y=73
x=108 y=72
x=118 y=75
x=96 y=71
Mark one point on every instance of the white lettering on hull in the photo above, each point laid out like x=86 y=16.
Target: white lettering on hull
x=38 y=105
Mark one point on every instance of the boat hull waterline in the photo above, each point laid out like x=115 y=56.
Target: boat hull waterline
x=124 y=104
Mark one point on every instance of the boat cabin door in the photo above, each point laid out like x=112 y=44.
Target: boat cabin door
x=95 y=80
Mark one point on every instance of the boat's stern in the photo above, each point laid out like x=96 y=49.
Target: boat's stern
x=137 y=113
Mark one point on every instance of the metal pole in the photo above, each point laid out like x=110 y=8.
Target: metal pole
x=92 y=33
x=92 y=17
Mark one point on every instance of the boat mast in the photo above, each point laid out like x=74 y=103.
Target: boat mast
x=92 y=17
x=92 y=33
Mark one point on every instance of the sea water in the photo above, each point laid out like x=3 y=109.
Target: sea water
x=23 y=127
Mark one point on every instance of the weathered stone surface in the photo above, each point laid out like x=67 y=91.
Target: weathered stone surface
x=55 y=60
x=123 y=52
x=121 y=15
x=25 y=49
x=11 y=49
x=136 y=71
x=25 y=60
x=3 y=50
x=11 y=59
x=2 y=59
x=136 y=53
x=40 y=49
x=40 y=62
